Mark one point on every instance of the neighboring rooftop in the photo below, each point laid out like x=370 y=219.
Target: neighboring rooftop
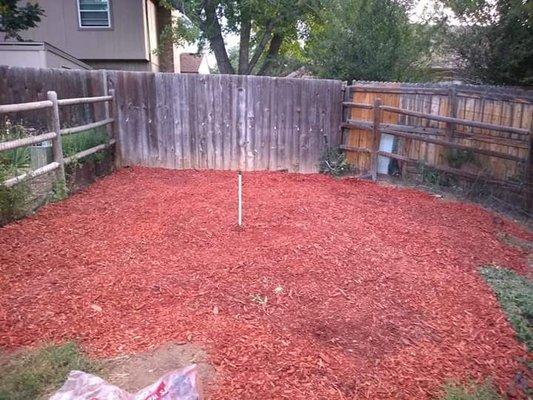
x=192 y=63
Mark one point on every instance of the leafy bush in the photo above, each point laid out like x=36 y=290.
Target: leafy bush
x=12 y=161
x=456 y=158
x=13 y=200
x=433 y=176
x=333 y=162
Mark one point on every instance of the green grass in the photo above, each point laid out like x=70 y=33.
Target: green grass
x=515 y=294
x=77 y=142
x=471 y=391
x=37 y=373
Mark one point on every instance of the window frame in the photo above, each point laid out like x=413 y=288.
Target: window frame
x=109 y=25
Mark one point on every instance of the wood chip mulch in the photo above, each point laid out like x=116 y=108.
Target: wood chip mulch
x=332 y=290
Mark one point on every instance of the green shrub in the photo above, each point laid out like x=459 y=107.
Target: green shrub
x=433 y=176
x=13 y=200
x=456 y=158
x=12 y=161
x=333 y=162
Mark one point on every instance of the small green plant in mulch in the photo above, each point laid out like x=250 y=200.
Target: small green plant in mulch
x=333 y=162
x=35 y=374
x=472 y=391
x=515 y=295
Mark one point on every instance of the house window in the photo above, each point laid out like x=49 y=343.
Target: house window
x=94 y=13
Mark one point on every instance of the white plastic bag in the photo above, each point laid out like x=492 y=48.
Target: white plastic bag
x=176 y=385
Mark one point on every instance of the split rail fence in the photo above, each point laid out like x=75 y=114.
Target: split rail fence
x=494 y=125
x=52 y=105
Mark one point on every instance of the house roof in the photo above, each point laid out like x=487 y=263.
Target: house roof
x=190 y=62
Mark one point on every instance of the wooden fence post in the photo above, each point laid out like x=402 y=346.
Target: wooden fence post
x=452 y=111
x=376 y=131
x=56 y=142
x=345 y=116
x=112 y=112
x=106 y=103
x=529 y=175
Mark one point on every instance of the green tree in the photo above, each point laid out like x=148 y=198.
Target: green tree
x=15 y=18
x=368 y=40
x=263 y=27
x=494 y=40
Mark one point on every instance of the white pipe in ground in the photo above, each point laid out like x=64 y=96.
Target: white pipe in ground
x=239 y=218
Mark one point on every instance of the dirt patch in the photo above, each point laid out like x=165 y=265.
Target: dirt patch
x=133 y=372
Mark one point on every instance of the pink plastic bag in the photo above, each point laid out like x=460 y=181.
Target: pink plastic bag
x=176 y=385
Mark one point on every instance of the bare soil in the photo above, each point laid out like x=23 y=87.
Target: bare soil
x=134 y=372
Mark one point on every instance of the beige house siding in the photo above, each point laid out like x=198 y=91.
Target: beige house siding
x=37 y=55
x=128 y=44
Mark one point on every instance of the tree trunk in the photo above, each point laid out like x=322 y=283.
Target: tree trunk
x=244 y=48
x=273 y=51
x=214 y=35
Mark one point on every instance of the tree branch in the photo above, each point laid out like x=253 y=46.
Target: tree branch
x=261 y=45
x=273 y=51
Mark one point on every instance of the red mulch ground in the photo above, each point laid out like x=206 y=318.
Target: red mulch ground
x=378 y=295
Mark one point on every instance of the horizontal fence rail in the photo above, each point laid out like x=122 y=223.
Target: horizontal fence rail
x=35 y=105
x=59 y=160
x=88 y=152
x=84 y=100
x=81 y=128
x=31 y=174
x=14 y=144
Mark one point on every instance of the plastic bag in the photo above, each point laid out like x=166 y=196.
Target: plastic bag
x=176 y=385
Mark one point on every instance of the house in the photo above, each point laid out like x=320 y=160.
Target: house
x=193 y=63
x=100 y=34
x=37 y=55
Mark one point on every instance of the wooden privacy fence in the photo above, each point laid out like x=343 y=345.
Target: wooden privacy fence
x=225 y=122
x=52 y=105
x=425 y=135
x=26 y=85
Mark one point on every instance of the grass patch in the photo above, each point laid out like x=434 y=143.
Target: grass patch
x=472 y=391
x=77 y=142
x=36 y=373
x=515 y=294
